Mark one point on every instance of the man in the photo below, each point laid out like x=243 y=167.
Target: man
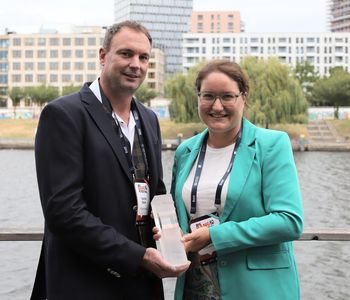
x=93 y=150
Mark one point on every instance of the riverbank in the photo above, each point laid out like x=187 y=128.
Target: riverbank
x=171 y=144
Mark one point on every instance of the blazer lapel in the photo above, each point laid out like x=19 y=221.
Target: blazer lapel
x=241 y=168
x=185 y=168
x=99 y=115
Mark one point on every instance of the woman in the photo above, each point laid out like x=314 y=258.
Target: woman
x=236 y=188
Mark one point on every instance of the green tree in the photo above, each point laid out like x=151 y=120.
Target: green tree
x=305 y=73
x=181 y=89
x=145 y=94
x=16 y=94
x=275 y=95
x=334 y=90
x=69 y=89
x=42 y=94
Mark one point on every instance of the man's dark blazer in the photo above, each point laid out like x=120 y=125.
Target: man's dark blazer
x=90 y=248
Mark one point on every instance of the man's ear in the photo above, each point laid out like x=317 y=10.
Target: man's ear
x=102 y=56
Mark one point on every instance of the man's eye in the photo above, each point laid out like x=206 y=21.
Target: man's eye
x=125 y=54
x=144 y=58
x=227 y=97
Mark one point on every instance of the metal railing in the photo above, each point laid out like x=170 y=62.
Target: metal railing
x=309 y=234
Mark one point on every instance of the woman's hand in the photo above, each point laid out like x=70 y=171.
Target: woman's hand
x=197 y=240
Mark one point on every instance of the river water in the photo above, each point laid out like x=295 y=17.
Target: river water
x=324 y=267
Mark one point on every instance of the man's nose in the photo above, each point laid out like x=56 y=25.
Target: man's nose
x=134 y=62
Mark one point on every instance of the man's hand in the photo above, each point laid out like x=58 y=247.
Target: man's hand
x=197 y=240
x=155 y=263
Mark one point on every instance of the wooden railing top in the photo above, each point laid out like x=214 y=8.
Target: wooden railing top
x=309 y=234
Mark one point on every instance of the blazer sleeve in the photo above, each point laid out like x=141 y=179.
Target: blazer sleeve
x=60 y=173
x=281 y=200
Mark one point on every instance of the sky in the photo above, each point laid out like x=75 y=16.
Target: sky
x=24 y=16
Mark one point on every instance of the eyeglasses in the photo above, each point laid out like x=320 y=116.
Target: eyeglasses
x=224 y=97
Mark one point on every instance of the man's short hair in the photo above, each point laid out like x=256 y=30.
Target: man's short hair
x=115 y=28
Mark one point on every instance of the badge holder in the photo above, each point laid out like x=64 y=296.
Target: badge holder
x=206 y=255
x=142 y=192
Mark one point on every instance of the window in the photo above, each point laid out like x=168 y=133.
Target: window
x=79 y=41
x=66 y=53
x=53 y=53
x=16 y=78
x=338 y=49
x=92 y=66
x=66 y=66
x=92 y=41
x=16 y=42
x=282 y=40
x=66 y=77
x=41 y=78
x=41 y=66
x=28 y=54
x=29 y=42
x=41 y=42
x=16 y=66
x=4 y=67
x=79 y=66
x=41 y=53
x=78 y=78
x=3 y=79
x=199 y=17
x=28 y=78
x=28 y=66
x=54 y=66
x=54 y=41
x=91 y=53
x=53 y=78
x=3 y=55
x=15 y=54
x=79 y=53
x=66 y=41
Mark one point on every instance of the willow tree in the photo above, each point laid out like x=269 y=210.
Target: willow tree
x=42 y=94
x=334 y=90
x=307 y=76
x=181 y=89
x=16 y=94
x=144 y=94
x=275 y=95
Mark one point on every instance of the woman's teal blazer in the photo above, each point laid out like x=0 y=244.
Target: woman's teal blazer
x=262 y=215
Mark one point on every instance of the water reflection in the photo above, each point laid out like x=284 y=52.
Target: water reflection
x=324 y=179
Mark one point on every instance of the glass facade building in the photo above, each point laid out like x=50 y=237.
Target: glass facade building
x=166 y=20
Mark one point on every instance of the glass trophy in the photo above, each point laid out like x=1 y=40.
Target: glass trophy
x=165 y=218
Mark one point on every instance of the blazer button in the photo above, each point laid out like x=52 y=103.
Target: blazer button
x=223 y=263
x=134 y=208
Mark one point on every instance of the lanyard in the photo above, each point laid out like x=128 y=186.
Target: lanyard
x=124 y=141
x=199 y=168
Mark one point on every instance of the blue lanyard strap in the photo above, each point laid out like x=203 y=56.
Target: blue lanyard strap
x=199 y=168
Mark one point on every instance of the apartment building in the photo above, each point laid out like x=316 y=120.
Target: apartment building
x=216 y=21
x=166 y=20
x=339 y=11
x=60 y=59
x=4 y=45
x=323 y=50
